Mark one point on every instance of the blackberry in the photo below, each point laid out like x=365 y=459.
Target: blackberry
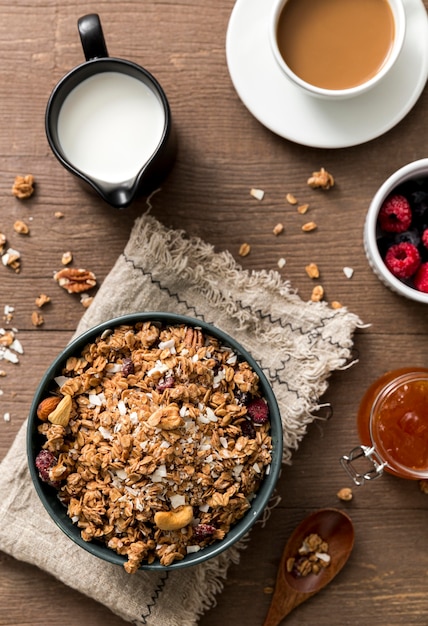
x=409 y=236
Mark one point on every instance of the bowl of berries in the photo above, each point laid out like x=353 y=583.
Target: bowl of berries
x=154 y=441
x=396 y=232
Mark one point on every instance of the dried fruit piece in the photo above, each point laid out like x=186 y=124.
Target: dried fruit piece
x=244 y=249
x=321 y=179
x=75 y=280
x=174 y=520
x=23 y=186
x=203 y=531
x=45 y=461
x=258 y=410
x=312 y=270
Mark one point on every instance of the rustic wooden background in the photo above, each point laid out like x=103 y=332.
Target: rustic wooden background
x=223 y=153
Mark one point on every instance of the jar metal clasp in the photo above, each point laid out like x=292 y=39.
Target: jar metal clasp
x=376 y=465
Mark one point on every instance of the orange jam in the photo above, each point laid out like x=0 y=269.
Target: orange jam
x=393 y=418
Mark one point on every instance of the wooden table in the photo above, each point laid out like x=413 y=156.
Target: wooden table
x=224 y=152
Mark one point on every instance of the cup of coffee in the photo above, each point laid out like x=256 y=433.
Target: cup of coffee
x=108 y=122
x=337 y=48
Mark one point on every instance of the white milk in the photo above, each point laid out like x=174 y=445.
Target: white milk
x=110 y=125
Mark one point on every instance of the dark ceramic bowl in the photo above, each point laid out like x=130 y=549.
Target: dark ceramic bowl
x=48 y=494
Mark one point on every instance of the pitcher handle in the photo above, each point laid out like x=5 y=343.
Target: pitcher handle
x=92 y=36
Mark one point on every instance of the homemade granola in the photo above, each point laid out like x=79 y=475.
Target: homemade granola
x=157 y=439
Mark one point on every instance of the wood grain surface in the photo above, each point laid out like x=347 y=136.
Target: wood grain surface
x=223 y=153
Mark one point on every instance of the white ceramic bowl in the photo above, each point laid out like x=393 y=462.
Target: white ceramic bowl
x=417 y=170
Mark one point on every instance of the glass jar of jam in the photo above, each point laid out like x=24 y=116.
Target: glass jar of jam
x=393 y=428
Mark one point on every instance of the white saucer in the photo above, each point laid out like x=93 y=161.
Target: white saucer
x=287 y=111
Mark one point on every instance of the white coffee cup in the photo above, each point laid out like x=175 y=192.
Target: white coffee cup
x=336 y=48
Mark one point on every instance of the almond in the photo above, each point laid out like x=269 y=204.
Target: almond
x=61 y=414
x=46 y=407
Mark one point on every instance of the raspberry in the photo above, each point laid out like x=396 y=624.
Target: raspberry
x=421 y=278
x=395 y=215
x=402 y=260
x=45 y=461
x=258 y=410
x=425 y=237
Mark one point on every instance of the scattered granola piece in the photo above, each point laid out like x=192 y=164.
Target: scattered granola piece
x=309 y=226
x=2 y=243
x=258 y=194
x=281 y=262
x=67 y=258
x=291 y=199
x=6 y=417
x=321 y=179
x=21 y=228
x=42 y=300
x=345 y=494
x=423 y=485
x=336 y=305
x=37 y=318
x=278 y=229
x=268 y=590
x=302 y=208
x=3 y=373
x=317 y=293
x=75 y=280
x=8 y=312
x=312 y=270
x=59 y=214
x=12 y=258
x=244 y=249
x=86 y=300
x=348 y=271
x=23 y=187
x=6 y=337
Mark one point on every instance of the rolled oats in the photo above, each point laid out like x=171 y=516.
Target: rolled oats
x=156 y=460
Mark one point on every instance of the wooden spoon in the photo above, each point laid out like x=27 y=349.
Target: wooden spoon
x=334 y=527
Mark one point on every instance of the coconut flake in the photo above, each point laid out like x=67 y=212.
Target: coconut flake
x=159 y=473
x=95 y=399
x=348 y=271
x=258 y=194
x=192 y=549
x=122 y=407
x=105 y=433
x=6 y=417
x=177 y=500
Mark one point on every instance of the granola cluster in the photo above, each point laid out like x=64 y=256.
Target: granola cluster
x=150 y=441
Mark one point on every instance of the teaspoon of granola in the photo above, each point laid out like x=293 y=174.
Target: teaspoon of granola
x=315 y=553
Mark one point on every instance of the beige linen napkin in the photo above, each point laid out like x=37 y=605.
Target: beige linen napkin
x=297 y=344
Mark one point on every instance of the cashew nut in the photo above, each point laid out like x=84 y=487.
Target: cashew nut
x=174 y=520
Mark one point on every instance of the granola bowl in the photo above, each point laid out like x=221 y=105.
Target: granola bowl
x=154 y=441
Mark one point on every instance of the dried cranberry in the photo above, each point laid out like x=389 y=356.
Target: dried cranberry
x=165 y=383
x=248 y=429
x=45 y=461
x=127 y=367
x=258 y=410
x=203 y=531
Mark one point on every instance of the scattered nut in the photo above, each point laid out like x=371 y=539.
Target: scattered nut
x=75 y=280
x=174 y=520
x=321 y=179
x=317 y=293
x=67 y=258
x=244 y=249
x=309 y=226
x=258 y=194
x=23 y=187
x=7 y=338
x=312 y=556
x=2 y=242
x=61 y=414
x=336 y=305
x=42 y=300
x=2 y=373
x=21 y=227
x=278 y=229
x=302 y=208
x=86 y=300
x=345 y=494
x=312 y=270
x=37 y=319
x=291 y=199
